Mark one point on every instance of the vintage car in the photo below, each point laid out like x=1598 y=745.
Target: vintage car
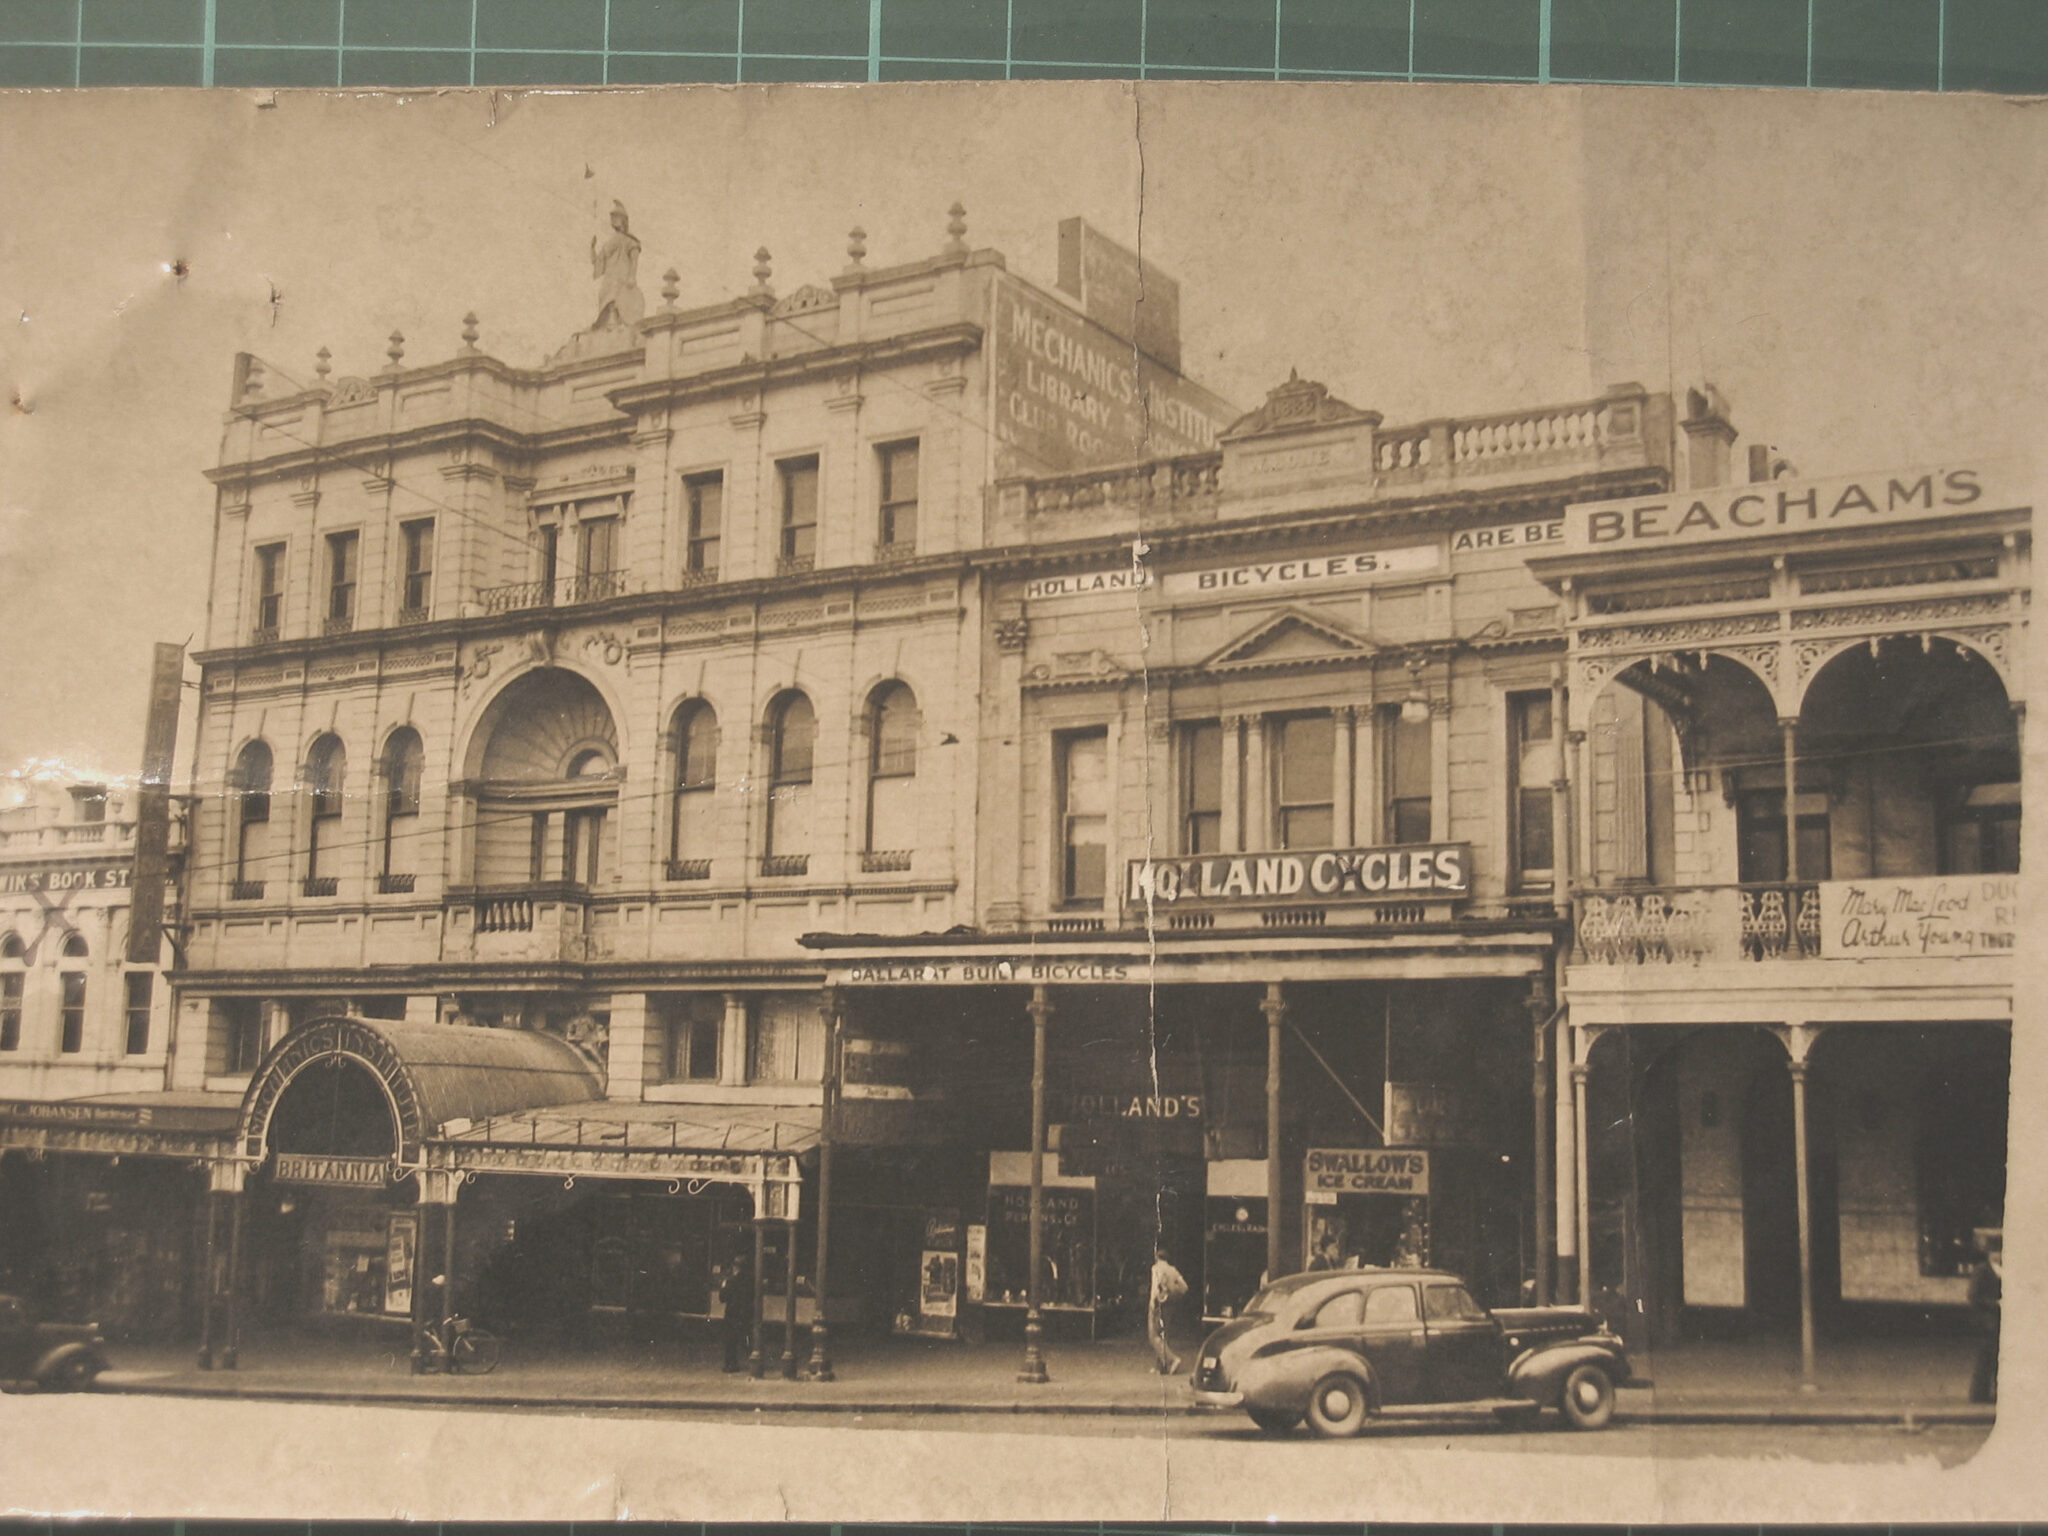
x=56 y=1357
x=1336 y=1346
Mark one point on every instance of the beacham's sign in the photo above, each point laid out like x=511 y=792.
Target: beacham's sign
x=1791 y=506
x=1426 y=871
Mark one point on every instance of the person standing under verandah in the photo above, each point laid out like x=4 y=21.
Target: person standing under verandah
x=1167 y=1284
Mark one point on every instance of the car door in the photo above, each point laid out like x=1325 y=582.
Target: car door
x=1464 y=1346
x=1393 y=1339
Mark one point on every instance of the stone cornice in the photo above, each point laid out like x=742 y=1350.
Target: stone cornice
x=958 y=337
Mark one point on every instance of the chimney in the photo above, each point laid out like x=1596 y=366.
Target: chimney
x=1709 y=436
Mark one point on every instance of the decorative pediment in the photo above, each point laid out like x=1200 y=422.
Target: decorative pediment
x=1297 y=404
x=804 y=300
x=1290 y=638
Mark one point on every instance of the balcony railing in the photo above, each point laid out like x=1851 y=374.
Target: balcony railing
x=504 y=914
x=245 y=890
x=320 y=885
x=592 y=587
x=786 y=864
x=338 y=624
x=395 y=885
x=689 y=869
x=1701 y=924
x=893 y=862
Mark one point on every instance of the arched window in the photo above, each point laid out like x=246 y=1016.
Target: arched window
x=693 y=824
x=12 y=977
x=892 y=778
x=326 y=767
x=792 y=743
x=404 y=767
x=249 y=787
x=71 y=1008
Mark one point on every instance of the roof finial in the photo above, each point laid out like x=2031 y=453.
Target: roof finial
x=763 y=270
x=856 y=245
x=396 y=351
x=470 y=331
x=671 y=285
x=323 y=364
x=956 y=230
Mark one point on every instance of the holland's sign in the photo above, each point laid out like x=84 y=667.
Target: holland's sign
x=1333 y=1171
x=350 y=1172
x=1789 y=506
x=1310 y=570
x=1439 y=870
x=1118 y=578
x=1926 y=918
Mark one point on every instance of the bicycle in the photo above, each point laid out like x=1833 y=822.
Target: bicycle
x=459 y=1347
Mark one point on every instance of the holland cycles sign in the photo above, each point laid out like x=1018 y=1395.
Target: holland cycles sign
x=1421 y=872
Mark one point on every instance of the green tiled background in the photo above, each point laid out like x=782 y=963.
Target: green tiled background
x=1953 y=45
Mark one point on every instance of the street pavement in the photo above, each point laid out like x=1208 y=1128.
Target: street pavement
x=1900 y=1381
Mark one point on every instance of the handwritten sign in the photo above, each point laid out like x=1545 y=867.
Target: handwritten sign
x=1930 y=917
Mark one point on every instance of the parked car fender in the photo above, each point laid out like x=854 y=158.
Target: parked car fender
x=1538 y=1375
x=53 y=1365
x=1280 y=1379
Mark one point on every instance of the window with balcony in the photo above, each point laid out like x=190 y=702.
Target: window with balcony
x=416 y=590
x=1081 y=770
x=691 y=1030
x=141 y=991
x=326 y=767
x=583 y=829
x=1405 y=774
x=1201 y=786
x=785 y=1041
x=798 y=548
x=342 y=551
x=1532 y=766
x=693 y=826
x=71 y=999
x=1304 y=773
x=898 y=524
x=892 y=778
x=597 y=559
x=792 y=747
x=269 y=592
x=704 y=510
x=403 y=769
x=249 y=797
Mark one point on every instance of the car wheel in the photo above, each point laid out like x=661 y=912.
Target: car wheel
x=1337 y=1406
x=74 y=1373
x=1273 y=1420
x=1588 y=1400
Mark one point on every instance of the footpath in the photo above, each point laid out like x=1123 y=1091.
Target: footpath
x=1890 y=1382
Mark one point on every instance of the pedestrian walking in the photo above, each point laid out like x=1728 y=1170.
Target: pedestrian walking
x=736 y=1327
x=1167 y=1283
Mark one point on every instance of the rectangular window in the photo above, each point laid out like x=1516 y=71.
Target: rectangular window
x=705 y=499
x=599 y=554
x=1980 y=831
x=1760 y=836
x=10 y=1010
x=1532 y=766
x=141 y=987
x=694 y=1026
x=1082 y=759
x=1201 y=787
x=418 y=592
x=1406 y=774
x=550 y=560
x=241 y=1020
x=71 y=1014
x=1304 y=771
x=269 y=590
x=341 y=581
x=899 y=495
x=786 y=1041
x=799 y=545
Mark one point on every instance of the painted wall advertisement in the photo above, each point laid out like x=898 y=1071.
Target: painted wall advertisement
x=1072 y=396
x=1929 y=917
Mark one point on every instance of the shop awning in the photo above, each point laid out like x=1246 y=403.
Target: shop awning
x=123 y=1124
x=744 y=1144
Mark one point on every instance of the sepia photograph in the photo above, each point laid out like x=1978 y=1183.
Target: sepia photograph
x=1085 y=801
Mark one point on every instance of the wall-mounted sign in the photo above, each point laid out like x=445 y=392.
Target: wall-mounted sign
x=1120 y=290
x=1333 y=1171
x=348 y=1172
x=1135 y=1106
x=1508 y=536
x=1310 y=570
x=1117 y=578
x=1930 y=917
x=1429 y=1115
x=1438 y=871
x=1789 y=506
x=981 y=971
x=72 y=875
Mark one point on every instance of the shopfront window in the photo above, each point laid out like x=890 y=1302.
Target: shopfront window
x=1303 y=779
x=1201 y=787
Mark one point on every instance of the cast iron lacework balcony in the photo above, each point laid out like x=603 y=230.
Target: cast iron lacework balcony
x=321 y=885
x=263 y=635
x=895 y=549
x=245 y=890
x=794 y=565
x=343 y=625
x=893 y=862
x=395 y=885
x=786 y=864
x=689 y=869
x=592 y=587
x=1700 y=924
x=408 y=616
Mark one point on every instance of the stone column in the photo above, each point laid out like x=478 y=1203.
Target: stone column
x=1274 y=1007
x=1033 y=1369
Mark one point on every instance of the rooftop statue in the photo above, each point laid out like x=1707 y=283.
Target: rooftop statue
x=616 y=266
